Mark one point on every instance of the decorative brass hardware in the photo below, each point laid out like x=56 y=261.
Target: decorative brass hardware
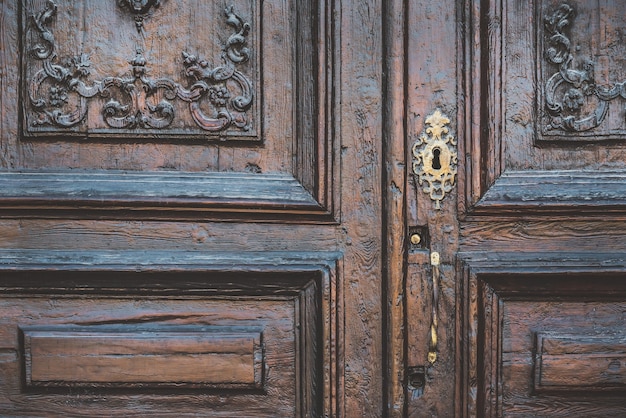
x=432 y=346
x=435 y=161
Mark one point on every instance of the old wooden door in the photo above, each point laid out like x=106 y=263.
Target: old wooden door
x=514 y=121
x=312 y=208
x=191 y=208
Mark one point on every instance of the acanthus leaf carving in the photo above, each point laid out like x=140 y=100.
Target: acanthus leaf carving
x=573 y=100
x=59 y=92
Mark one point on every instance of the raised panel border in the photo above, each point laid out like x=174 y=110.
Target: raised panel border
x=488 y=188
x=489 y=279
x=310 y=278
x=305 y=194
x=158 y=196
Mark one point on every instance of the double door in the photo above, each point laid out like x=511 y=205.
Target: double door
x=312 y=208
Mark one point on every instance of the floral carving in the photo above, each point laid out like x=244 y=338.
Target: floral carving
x=435 y=161
x=573 y=100
x=217 y=97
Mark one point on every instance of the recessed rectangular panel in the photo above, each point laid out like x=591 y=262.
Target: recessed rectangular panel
x=119 y=68
x=125 y=356
x=579 y=362
x=583 y=69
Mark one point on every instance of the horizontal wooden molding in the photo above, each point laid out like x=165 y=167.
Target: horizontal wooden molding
x=571 y=194
x=158 y=196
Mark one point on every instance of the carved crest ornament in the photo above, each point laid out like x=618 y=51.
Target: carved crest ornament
x=139 y=8
x=218 y=98
x=435 y=158
x=573 y=100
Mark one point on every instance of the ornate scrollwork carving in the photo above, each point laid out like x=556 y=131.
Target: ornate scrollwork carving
x=60 y=91
x=569 y=90
x=435 y=159
x=44 y=48
x=139 y=9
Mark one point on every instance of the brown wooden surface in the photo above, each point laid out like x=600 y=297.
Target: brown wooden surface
x=579 y=362
x=542 y=211
x=299 y=226
x=304 y=181
x=130 y=356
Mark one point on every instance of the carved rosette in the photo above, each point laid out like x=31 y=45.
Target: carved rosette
x=435 y=158
x=218 y=98
x=574 y=102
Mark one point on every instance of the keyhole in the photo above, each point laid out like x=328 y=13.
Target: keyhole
x=436 y=160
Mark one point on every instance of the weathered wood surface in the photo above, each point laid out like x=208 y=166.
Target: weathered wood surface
x=137 y=315
x=360 y=129
x=395 y=192
x=580 y=362
x=542 y=209
x=345 y=90
x=161 y=196
x=502 y=130
x=511 y=299
x=128 y=356
x=431 y=38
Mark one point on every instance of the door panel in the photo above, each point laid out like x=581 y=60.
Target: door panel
x=175 y=168
x=546 y=137
x=188 y=335
x=112 y=89
x=546 y=335
x=541 y=233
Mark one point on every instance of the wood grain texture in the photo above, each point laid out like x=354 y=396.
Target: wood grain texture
x=431 y=66
x=289 y=144
x=127 y=357
x=395 y=228
x=153 y=195
x=509 y=302
x=277 y=320
x=176 y=316
x=550 y=194
x=360 y=129
x=9 y=85
x=547 y=236
x=580 y=362
x=502 y=55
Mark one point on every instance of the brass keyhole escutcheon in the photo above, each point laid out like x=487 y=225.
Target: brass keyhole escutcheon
x=435 y=158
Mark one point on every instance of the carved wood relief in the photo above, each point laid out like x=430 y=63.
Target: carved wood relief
x=545 y=109
x=177 y=90
x=138 y=85
x=582 y=71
